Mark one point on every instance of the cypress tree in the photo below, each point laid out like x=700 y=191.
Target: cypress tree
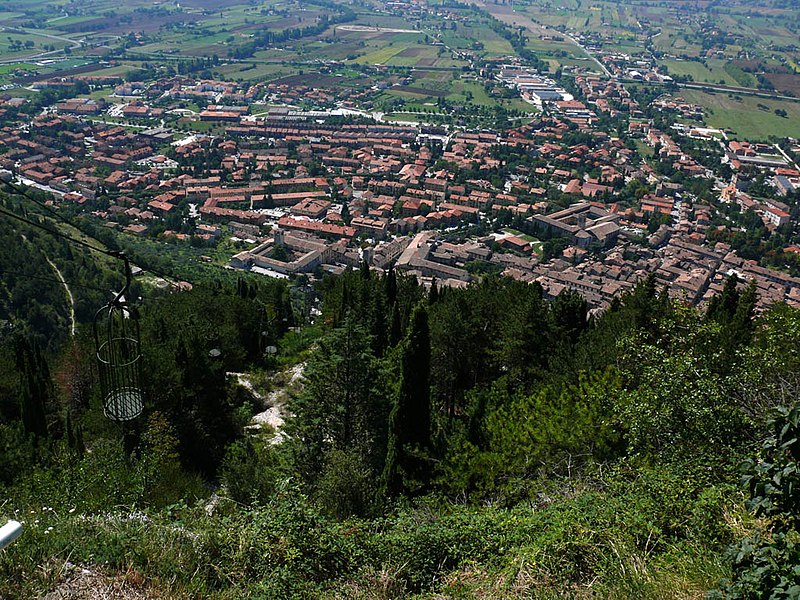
x=34 y=387
x=390 y=284
x=410 y=419
x=433 y=295
x=395 y=328
x=378 y=325
x=739 y=329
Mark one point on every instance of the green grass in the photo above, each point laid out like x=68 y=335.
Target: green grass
x=65 y=21
x=261 y=71
x=742 y=78
x=407 y=117
x=6 y=69
x=380 y=56
x=9 y=16
x=714 y=71
x=643 y=149
x=610 y=545
x=741 y=114
x=535 y=243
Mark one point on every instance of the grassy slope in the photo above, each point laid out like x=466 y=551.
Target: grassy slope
x=611 y=544
x=743 y=115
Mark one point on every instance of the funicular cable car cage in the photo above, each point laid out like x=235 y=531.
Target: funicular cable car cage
x=119 y=356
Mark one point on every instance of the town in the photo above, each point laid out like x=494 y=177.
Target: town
x=585 y=179
x=399 y=299
x=559 y=200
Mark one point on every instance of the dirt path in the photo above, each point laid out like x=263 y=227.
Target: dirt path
x=275 y=412
x=94 y=583
x=69 y=296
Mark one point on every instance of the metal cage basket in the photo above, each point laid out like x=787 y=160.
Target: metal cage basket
x=119 y=359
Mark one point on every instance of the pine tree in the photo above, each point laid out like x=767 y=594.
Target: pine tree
x=339 y=407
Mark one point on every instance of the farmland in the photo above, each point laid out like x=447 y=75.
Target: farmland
x=413 y=61
x=740 y=46
x=248 y=41
x=749 y=117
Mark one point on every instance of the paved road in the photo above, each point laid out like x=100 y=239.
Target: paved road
x=716 y=88
x=789 y=161
x=40 y=54
x=39 y=186
x=512 y=17
x=608 y=73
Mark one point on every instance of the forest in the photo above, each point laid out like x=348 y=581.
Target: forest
x=483 y=442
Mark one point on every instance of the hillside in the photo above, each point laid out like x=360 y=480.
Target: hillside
x=476 y=443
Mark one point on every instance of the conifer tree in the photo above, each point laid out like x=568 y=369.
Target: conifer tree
x=395 y=329
x=410 y=419
x=339 y=407
x=390 y=285
x=433 y=295
x=722 y=306
x=569 y=312
x=34 y=387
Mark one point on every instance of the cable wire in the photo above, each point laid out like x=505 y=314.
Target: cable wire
x=24 y=192
x=52 y=280
x=112 y=253
x=55 y=232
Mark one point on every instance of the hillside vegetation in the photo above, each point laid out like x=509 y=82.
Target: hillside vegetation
x=475 y=443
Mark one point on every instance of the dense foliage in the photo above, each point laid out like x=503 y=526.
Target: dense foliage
x=466 y=441
x=33 y=301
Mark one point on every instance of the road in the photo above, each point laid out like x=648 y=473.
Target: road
x=38 y=186
x=748 y=91
x=40 y=54
x=366 y=29
x=716 y=88
x=509 y=16
x=789 y=161
x=608 y=73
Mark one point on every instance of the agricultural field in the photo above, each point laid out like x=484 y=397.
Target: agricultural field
x=713 y=71
x=409 y=62
x=363 y=35
x=258 y=34
x=749 y=117
x=752 y=45
x=428 y=90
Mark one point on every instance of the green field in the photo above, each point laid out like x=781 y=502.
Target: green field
x=743 y=115
x=762 y=31
x=710 y=71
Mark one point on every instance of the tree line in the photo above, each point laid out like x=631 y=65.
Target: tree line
x=492 y=395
